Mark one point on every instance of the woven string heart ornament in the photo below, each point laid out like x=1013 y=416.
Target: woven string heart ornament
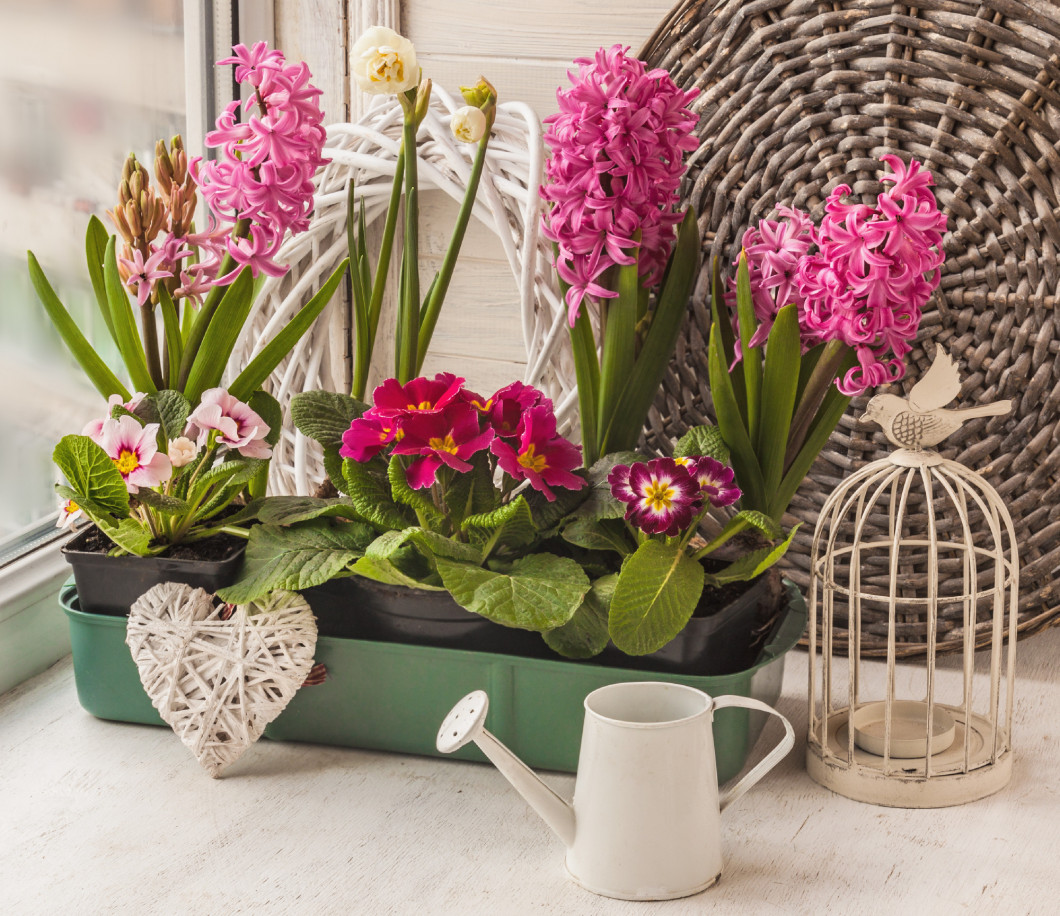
x=218 y=680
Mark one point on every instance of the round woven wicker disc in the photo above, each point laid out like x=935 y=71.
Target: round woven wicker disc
x=799 y=97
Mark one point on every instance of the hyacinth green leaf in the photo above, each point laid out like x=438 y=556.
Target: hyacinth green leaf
x=539 y=592
x=670 y=309
x=417 y=500
x=193 y=335
x=751 y=564
x=172 y=410
x=294 y=558
x=510 y=525
x=325 y=415
x=730 y=422
x=262 y=365
x=807 y=364
x=587 y=376
x=209 y=363
x=96 y=237
x=92 y=475
x=99 y=374
x=121 y=314
x=171 y=328
x=783 y=352
x=751 y=357
x=720 y=315
x=657 y=592
x=703 y=440
x=370 y=494
x=160 y=502
x=599 y=534
x=619 y=345
x=585 y=635
x=832 y=408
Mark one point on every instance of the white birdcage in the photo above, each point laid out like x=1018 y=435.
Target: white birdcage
x=914 y=736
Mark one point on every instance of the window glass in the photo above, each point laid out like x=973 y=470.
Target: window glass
x=82 y=84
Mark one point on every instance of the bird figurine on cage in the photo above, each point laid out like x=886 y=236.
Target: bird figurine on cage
x=923 y=420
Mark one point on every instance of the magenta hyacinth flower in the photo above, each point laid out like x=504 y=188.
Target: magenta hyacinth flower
x=615 y=169
x=715 y=480
x=239 y=427
x=661 y=496
x=543 y=458
x=134 y=450
x=449 y=436
x=368 y=435
x=267 y=163
x=420 y=394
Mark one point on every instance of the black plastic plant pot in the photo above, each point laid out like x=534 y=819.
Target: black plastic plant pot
x=110 y=585
x=353 y=607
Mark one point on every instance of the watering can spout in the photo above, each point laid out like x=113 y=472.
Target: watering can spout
x=465 y=723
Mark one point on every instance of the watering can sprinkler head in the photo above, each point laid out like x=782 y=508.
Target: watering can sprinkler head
x=464 y=722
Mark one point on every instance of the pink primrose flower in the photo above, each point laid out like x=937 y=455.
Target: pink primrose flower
x=615 y=169
x=511 y=404
x=714 y=478
x=134 y=450
x=368 y=435
x=661 y=496
x=94 y=427
x=69 y=512
x=240 y=428
x=542 y=457
x=420 y=394
x=449 y=436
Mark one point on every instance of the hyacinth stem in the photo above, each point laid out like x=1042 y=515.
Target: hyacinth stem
x=409 y=302
x=150 y=332
x=824 y=373
x=433 y=306
x=587 y=375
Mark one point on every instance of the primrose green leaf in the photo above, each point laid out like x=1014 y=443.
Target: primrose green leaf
x=539 y=592
x=703 y=440
x=160 y=502
x=418 y=500
x=324 y=415
x=510 y=525
x=599 y=502
x=294 y=558
x=585 y=634
x=390 y=558
x=599 y=534
x=752 y=564
x=657 y=592
x=171 y=410
x=268 y=408
x=132 y=537
x=370 y=494
x=292 y=510
x=91 y=474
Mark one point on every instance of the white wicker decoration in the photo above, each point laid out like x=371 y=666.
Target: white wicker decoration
x=218 y=678
x=909 y=737
x=507 y=203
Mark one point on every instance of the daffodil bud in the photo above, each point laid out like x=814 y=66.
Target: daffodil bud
x=468 y=124
x=383 y=62
x=481 y=94
x=423 y=100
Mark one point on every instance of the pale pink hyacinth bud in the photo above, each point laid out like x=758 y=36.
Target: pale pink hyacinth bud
x=182 y=451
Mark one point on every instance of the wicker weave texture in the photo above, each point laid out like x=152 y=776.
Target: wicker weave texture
x=798 y=97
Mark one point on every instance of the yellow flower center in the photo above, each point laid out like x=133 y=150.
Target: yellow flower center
x=71 y=507
x=528 y=459
x=423 y=405
x=443 y=445
x=684 y=462
x=658 y=495
x=388 y=67
x=127 y=462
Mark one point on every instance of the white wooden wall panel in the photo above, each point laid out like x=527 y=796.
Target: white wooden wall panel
x=525 y=50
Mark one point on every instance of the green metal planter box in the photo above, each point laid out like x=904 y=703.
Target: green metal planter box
x=393 y=697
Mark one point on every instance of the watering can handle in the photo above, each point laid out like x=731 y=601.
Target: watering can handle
x=771 y=759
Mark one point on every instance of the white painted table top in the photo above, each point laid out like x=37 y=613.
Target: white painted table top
x=98 y=817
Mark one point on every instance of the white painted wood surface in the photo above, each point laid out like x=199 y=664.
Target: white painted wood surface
x=99 y=817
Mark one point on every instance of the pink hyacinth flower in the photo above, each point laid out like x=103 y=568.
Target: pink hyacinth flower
x=239 y=427
x=450 y=436
x=543 y=458
x=134 y=450
x=143 y=274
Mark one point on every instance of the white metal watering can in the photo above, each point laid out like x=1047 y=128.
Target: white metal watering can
x=645 y=822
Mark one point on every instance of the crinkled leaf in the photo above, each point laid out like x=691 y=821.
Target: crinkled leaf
x=438 y=545
x=325 y=415
x=510 y=525
x=160 y=502
x=548 y=514
x=333 y=468
x=760 y=522
x=380 y=569
x=91 y=474
x=290 y=510
x=236 y=472
x=585 y=634
x=599 y=534
x=703 y=440
x=268 y=408
x=539 y=592
x=369 y=492
x=418 y=500
x=132 y=537
x=294 y=558
x=392 y=559
x=172 y=411
x=600 y=503
x=657 y=592
x=751 y=564
x=473 y=492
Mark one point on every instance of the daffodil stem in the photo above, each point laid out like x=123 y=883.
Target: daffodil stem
x=432 y=308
